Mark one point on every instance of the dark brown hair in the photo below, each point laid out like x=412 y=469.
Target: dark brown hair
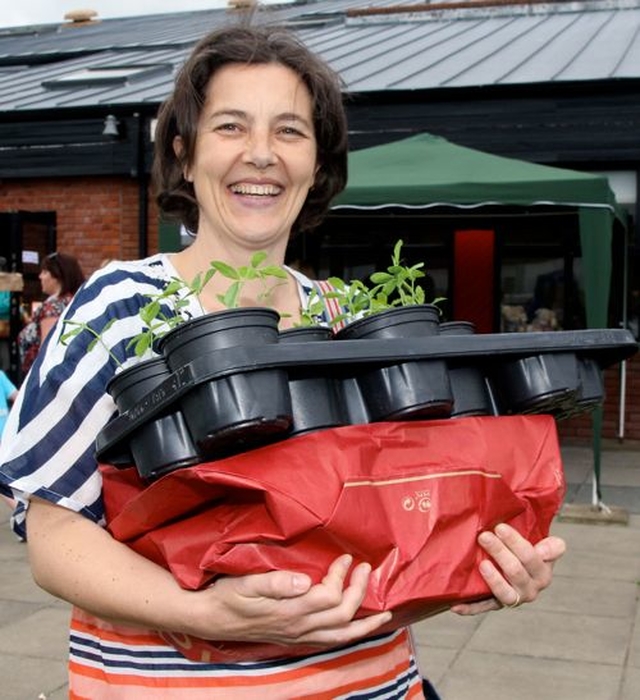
x=180 y=113
x=66 y=269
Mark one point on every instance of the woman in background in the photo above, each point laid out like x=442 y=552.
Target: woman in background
x=60 y=277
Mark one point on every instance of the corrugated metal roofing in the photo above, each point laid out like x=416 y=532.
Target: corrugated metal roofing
x=450 y=47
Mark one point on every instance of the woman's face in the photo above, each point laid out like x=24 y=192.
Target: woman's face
x=255 y=155
x=50 y=285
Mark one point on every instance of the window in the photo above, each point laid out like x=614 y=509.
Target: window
x=541 y=284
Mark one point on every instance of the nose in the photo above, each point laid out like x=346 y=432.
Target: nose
x=259 y=150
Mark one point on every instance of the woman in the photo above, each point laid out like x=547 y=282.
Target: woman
x=60 y=278
x=251 y=147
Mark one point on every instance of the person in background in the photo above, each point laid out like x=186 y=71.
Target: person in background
x=60 y=278
x=8 y=394
x=251 y=147
x=5 y=303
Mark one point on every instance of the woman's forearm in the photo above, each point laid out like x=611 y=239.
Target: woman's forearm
x=76 y=560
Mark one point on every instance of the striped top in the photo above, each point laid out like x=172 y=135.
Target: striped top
x=48 y=452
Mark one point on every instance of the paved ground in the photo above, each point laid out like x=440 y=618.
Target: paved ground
x=580 y=641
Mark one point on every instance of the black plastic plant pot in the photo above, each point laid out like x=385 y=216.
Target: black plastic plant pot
x=471 y=395
x=240 y=410
x=406 y=390
x=316 y=400
x=591 y=385
x=590 y=389
x=545 y=383
x=164 y=443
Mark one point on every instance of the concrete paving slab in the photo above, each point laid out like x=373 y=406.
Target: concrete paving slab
x=616 y=496
x=633 y=659
x=530 y=631
x=631 y=685
x=597 y=563
x=589 y=596
x=17 y=584
x=624 y=541
x=447 y=630
x=625 y=475
x=486 y=676
x=43 y=634
x=26 y=678
x=435 y=663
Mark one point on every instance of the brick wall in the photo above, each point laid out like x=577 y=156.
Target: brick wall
x=97 y=218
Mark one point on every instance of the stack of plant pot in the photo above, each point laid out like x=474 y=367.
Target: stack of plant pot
x=229 y=381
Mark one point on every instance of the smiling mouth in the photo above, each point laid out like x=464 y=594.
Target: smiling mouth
x=256 y=190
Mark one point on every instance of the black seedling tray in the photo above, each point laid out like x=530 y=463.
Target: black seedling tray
x=349 y=357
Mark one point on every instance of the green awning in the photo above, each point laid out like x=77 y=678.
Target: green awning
x=427 y=171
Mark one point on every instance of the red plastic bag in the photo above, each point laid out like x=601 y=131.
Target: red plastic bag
x=410 y=498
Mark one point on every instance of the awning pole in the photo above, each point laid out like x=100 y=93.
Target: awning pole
x=623 y=400
x=625 y=321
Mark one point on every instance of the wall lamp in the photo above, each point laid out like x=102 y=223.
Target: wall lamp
x=111 y=125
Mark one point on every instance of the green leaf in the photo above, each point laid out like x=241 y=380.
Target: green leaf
x=225 y=269
x=208 y=275
x=337 y=282
x=275 y=271
x=230 y=297
x=143 y=343
x=380 y=277
x=149 y=312
x=69 y=335
x=258 y=258
x=174 y=286
x=249 y=273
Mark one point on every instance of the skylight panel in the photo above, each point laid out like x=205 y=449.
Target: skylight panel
x=105 y=76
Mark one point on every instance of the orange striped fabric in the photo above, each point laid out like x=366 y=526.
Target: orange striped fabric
x=115 y=662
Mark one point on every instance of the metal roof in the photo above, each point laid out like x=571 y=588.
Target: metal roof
x=376 y=46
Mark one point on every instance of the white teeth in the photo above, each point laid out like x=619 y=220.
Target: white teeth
x=260 y=190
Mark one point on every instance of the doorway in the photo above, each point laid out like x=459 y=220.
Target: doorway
x=25 y=239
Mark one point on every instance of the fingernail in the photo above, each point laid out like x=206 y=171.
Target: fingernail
x=300 y=582
x=366 y=567
x=485 y=567
x=484 y=538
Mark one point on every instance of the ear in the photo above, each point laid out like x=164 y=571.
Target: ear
x=178 y=149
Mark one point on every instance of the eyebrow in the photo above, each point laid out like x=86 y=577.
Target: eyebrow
x=240 y=114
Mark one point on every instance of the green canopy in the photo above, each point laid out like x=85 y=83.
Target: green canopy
x=427 y=171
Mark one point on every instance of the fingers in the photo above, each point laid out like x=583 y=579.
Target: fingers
x=285 y=608
x=517 y=571
x=332 y=623
x=274 y=585
x=481 y=606
x=551 y=548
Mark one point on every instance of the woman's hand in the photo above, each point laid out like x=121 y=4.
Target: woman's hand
x=517 y=571
x=285 y=608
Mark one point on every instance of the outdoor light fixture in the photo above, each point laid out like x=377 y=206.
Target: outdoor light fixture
x=111 y=127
